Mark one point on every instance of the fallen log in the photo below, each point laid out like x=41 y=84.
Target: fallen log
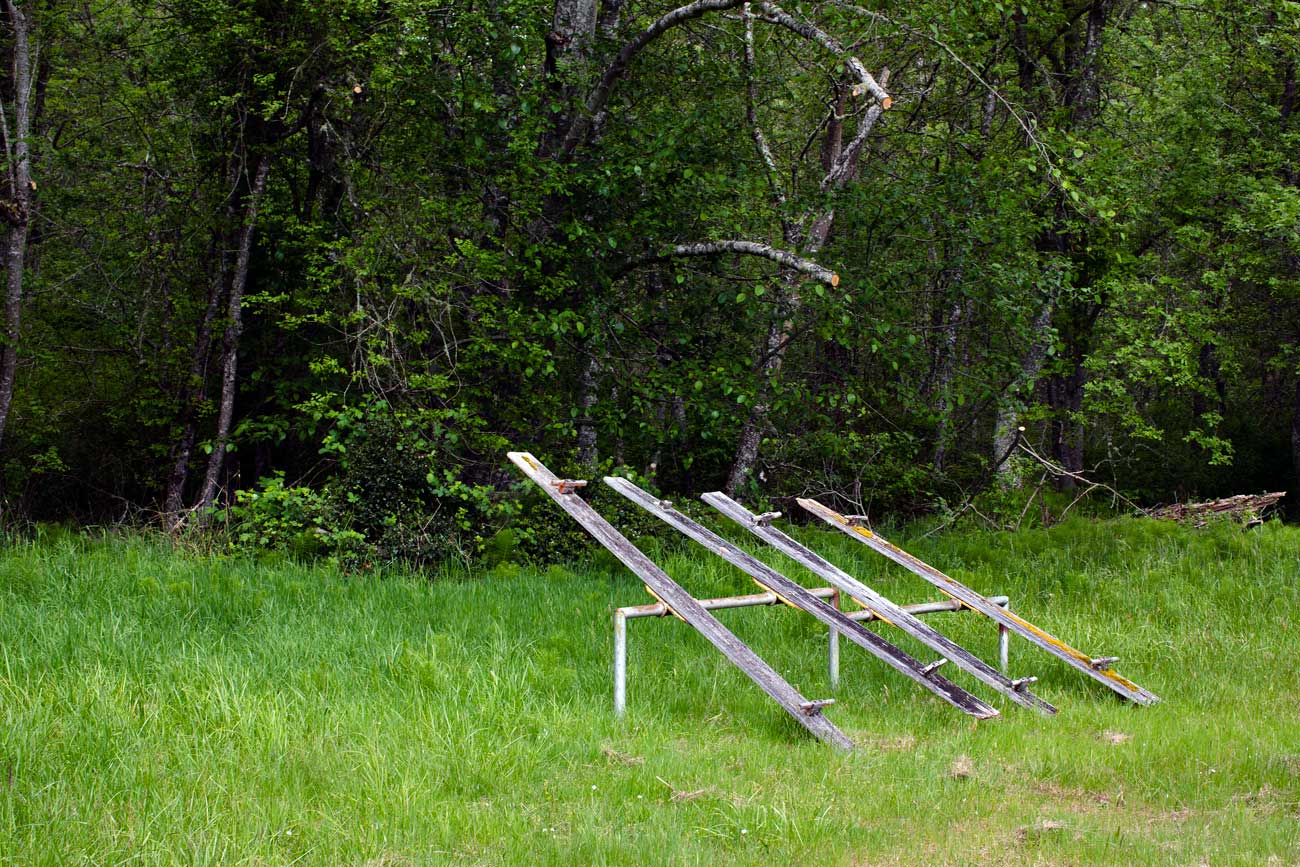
x=1247 y=508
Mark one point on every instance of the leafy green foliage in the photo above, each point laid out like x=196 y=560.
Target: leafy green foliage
x=434 y=280
x=297 y=520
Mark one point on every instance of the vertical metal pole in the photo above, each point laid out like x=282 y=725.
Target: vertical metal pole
x=833 y=648
x=1004 y=644
x=620 y=663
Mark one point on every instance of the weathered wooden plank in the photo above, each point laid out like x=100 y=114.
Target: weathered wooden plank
x=885 y=610
x=681 y=603
x=1098 y=669
x=799 y=597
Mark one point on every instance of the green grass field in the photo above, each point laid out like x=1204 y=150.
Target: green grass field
x=161 y=708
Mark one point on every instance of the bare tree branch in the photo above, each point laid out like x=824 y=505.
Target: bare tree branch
x=605 y=87
x=842 y=169
x=751 y=109
x=867 y=83
x=947 y=49
x=747 y=248
x=1061 y=472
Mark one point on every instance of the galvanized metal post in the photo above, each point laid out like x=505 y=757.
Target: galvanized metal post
x=833 y=649
x=620 y=663
x=1004 y=644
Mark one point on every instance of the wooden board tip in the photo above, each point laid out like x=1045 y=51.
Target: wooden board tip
x=819 y=509
x=524 y=460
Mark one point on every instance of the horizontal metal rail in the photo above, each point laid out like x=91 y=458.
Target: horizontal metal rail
x=752 y=600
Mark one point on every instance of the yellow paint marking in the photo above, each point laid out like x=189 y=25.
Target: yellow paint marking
x=779 y=597
x=665 y=604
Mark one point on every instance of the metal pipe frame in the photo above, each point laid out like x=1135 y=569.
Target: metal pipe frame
x=659 y=609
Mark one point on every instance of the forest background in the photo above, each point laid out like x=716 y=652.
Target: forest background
x=306 y=270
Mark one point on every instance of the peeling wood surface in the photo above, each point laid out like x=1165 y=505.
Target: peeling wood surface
x=976 y=602
x=799 y=597
x=683 y=604
x=884 y=609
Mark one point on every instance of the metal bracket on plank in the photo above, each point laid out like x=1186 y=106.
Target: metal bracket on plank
x=816 y=705
x=766 y=519
x=568 y=486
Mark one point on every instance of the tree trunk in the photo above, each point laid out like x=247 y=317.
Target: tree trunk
x=1295 y=437
x=840 y=162
x=19 y=207
x=944 y=369
x=1066 y=399
x=1207 y=363
x=193 y=393
x=1076 y=86
x=568 y=44
x=769 y=365
x=1013 y=399
x=588 y=381
x=788 y=302
x=230 y=341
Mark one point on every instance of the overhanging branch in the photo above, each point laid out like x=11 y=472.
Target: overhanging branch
x=605 y=87
x=783 y=258
x=774 y=14
x=842 y=169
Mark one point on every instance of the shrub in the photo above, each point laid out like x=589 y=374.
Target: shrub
x=384 y=493
x=297 y=520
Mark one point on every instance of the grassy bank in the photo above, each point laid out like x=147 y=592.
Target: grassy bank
x=157 y=708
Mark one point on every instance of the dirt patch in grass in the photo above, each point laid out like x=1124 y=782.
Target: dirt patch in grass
x=903 y=743
x=962 y=767
x=1265 y=801
x=1078 y=800
x=1039 y=830
x=617 y=758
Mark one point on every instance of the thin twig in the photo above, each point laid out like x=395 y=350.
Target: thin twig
x=1029 y=502
x=1062 y=472
x=1038 y=144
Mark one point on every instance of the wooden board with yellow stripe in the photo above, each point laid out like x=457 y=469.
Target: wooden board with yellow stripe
x=1099 y=670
